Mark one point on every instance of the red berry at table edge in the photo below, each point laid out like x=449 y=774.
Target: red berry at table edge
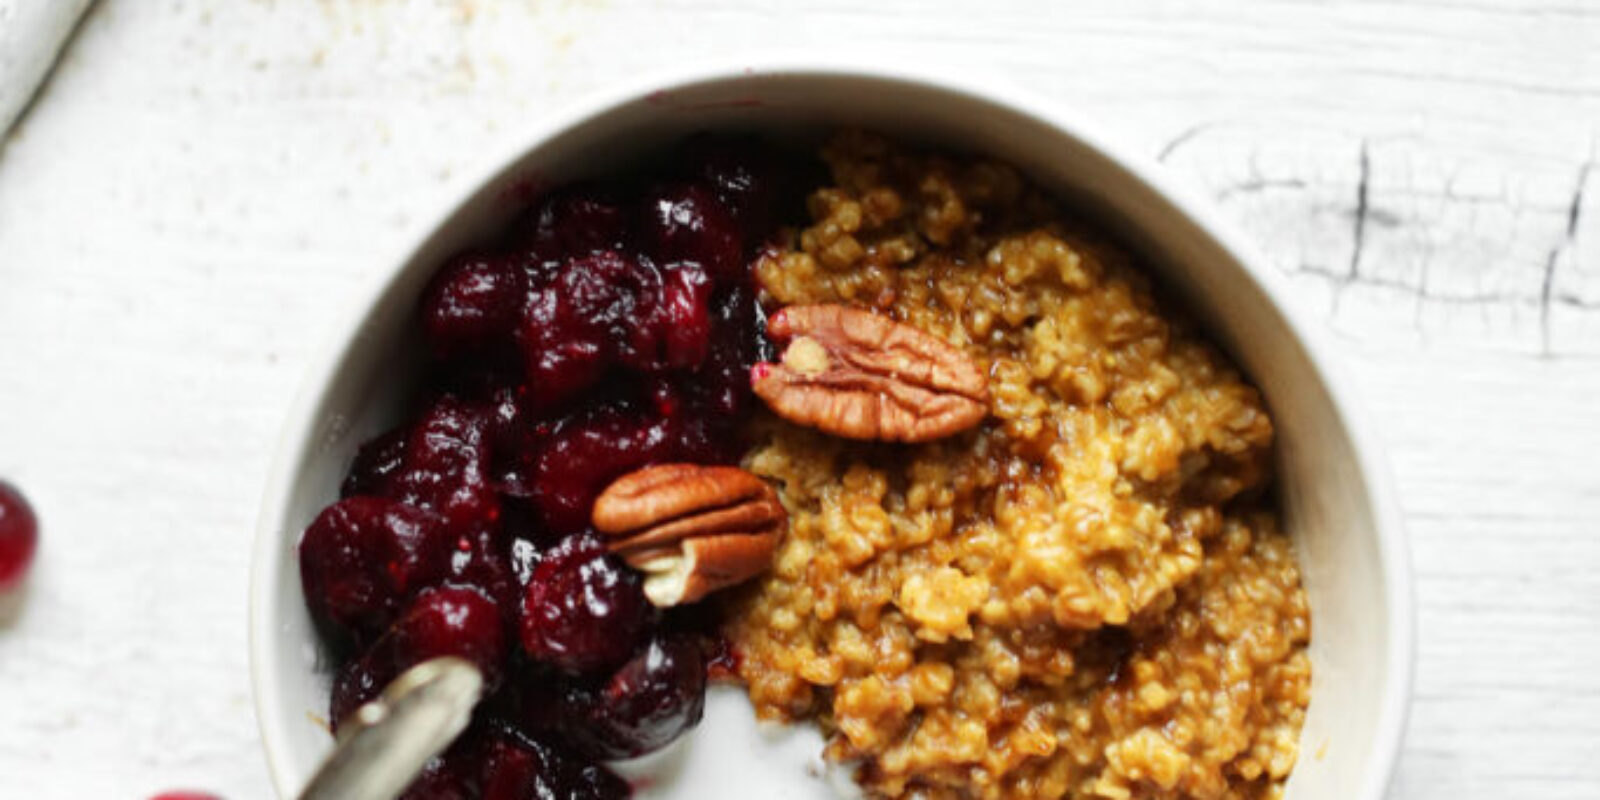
x=19 y=536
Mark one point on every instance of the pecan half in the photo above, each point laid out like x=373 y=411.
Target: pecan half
x=856 y=374
x=691 y=529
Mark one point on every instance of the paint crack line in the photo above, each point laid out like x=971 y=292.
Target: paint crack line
x=1569 y=237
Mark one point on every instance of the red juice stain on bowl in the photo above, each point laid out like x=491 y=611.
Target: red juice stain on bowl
x=19 y=536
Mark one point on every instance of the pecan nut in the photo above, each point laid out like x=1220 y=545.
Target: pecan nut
x=691 y=529
x=853 y=373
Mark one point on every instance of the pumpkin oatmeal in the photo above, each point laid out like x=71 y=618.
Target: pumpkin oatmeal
x=1084 y=596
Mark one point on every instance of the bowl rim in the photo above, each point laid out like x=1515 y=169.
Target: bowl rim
x=294 y=439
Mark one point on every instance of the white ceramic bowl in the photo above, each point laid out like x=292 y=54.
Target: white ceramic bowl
x=1335 y=487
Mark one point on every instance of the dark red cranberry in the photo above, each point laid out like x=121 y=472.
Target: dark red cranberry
x=572 y=222
x=746 y=175
x=446 y=466
x=686 y=222
x=531 y=701
x=566 y=348
x=738 y=342
x=455 y=774
x=527 y=768
x=445 y=621
x=585 y=453
x=583 y=610
x=356 y=682
x=482 y=560
x=19 y=536
x=375 y=465
x=683 y=318
x=470 y=302
x=647 y=703
x=362 y=558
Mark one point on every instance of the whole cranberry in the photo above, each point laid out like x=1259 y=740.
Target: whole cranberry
x=586 y=452
x=19 y=536
x=683 y=318
x=570 y=222
x=523 y=767
x=482 y=560
x=454 y=774
x=686 y=222
x=470 y=302
x=583 y=610
x=375 y=465
x=445 y=621
x=746 y=175
x=647 y=703
x=446 y=466
x=566 y=348
x=362 y=558
x=738 y=342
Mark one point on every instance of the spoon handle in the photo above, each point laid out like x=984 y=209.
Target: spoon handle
x=384 y=745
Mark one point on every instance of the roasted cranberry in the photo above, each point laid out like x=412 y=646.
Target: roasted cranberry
x=470 y=302
x=737 y=343
x=446 y=466
x=566 y=348
x=583 y=610
x=375 y=465
x=683 y=319
x=746 y=175
x=362 y=558
x=482 y=560
x=453 y=774
x=686 y=222
x=651 y=700
x=585 y=453
x=527 y=768
x=445 y=621
x=19 y=536
x=572 y=222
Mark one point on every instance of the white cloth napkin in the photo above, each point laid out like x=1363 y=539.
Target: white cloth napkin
x=31 y=35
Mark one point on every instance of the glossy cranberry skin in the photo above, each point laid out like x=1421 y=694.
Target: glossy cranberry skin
x=444 y=621
x=746 y=175
x=572 y=222
x=453 y=774
x=565 y=336
x=682 y=333
x=375 y=465
x=686 y=222
x=584 y=453
x=446 y=466
x=471 y=302
x=19 y=536
x=647 y=703
x=583 y=610
x=482 y=560
x=738 y=342
x=362 y=559
x=528 y=768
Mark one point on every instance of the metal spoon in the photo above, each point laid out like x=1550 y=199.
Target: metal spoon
x=386 y=743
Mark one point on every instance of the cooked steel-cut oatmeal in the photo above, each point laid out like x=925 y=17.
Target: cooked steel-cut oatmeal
x=1085 y=596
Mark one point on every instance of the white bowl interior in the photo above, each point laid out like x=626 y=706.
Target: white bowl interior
x=1335 y=504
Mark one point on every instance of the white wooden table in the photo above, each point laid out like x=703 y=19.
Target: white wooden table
x=204 y=182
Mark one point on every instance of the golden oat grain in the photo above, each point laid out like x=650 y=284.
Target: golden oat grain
x=1086 y=597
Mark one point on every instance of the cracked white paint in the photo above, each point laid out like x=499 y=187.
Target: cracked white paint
x=205 y=182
